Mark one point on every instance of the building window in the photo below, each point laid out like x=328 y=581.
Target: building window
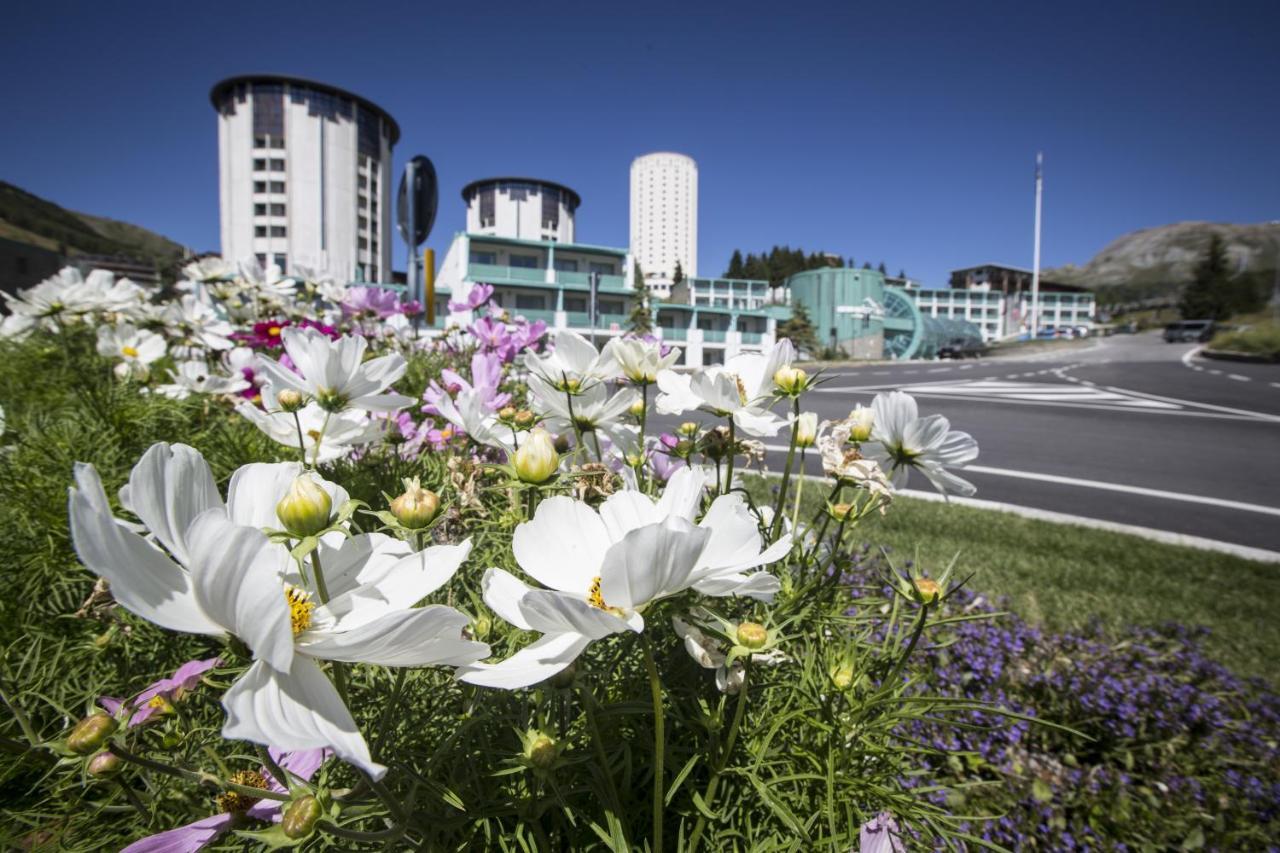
x=362 y=243
x=486 y=207
x=530 y=302
x=277 y=209
x=489 y=258
x=362 y=223
x=262 y=259
x=281 y=262
x=361 y=181
x=603 y=268
x=259 y=164
x=259 y=230
x=566 y=265
x=551 y=209
x=575 y=303
x=259 y=210
x=528 y=262
x=277 y=186
x=278 y=231
x=259 y=186
x=373 y=273
x=277 y=165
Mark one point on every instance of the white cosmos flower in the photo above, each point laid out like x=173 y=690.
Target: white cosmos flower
x=742 y=389
x=591 y=410
x=327 y=436
x=640 y=361
x=270 y=283
x=69 y=294
x=572 y=359
x=136 y=347
x=195 y=377
x=335 y=374
x=710 y=654
x=601 y=569
x=467 y=411
x=901 y=440
x=193 y=321
x=209 y=269
x=222 y=576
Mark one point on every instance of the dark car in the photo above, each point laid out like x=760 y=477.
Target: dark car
x=1189 y=331
x=961 y=348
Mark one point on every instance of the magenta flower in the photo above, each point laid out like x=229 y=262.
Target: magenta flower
x=157 y=697
x=267 y=334
x=371 y=302
x=880 y=835
x=479 y=295
x=196 y=836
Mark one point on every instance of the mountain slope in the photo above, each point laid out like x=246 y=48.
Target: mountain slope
x=1163 y=259
x=27 y=218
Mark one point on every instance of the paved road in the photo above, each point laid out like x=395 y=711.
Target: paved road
x=1126 y=429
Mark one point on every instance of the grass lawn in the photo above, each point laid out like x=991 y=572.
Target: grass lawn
x=1062 y=576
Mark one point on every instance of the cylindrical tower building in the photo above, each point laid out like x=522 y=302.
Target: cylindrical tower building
x=664 y=217
x=304 y=175
x=523 y=208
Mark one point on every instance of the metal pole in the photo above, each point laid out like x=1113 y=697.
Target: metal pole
x=411 y=196
x=593 y=282
x=1035 y=263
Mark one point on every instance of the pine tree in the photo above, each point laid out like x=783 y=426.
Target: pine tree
x=677 y=277
x=799 y=329
x=735 y=266
x=1207 y=297
x=640 y=320
x=882 y=270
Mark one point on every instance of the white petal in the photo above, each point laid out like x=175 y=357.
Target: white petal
x=503 y=592
x=235 y=573
x=400 y=586
x=651 y=562
x=553 y=612
x=761 y=586
x=255 y=490
x=534 y=663
x=292 y=710
x=352 y=561
x=563 y=546
x=168 y=488
x=143 y=580
x=420 y=637
x=683 y=494
x=624 y=511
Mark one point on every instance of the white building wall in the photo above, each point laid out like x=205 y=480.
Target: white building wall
x=518 y=214
x=664 y=216
x=320 y=194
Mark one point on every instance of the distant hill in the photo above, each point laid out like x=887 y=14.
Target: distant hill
x=27 y=218
x=1160 y=261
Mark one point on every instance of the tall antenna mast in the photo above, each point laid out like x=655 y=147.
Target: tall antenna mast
x=1035 y=262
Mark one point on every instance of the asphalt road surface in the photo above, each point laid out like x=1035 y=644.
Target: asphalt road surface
x=1126 y=429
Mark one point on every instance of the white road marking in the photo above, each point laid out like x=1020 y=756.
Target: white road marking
x=1275 y=384
x=1227 y=409
x=970 y=367
x=1237 y=377
x=1215 y=372
x=1190 y=354
x=938 y=370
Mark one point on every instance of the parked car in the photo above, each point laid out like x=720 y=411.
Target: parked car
x=1190 y=331
x=961 y=348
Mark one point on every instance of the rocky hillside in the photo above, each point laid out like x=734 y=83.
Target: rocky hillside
x=1163 y=258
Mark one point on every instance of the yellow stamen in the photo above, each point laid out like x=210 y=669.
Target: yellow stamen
x=273 y=331
x=234 y=801
x=157 y=701
x=595 y=599
x=742 y=389
x=300 y=609
x=313 y=434
x=129 y=351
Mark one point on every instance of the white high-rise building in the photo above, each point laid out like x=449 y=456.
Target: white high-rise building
x=664 y=217
x=304 y=176
x=521 y=208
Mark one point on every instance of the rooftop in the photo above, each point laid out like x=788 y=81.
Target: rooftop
x=470 y=188
x=222 y=87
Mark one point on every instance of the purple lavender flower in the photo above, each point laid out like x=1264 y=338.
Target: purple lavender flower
x=199 y=834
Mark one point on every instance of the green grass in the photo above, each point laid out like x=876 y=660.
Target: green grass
x=1062 y=577
x=1260 y=339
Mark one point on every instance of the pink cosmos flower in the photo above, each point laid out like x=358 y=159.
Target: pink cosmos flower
x=267 y=334
x=201 y=833
x=486 y=377
x=157 y=697
x=479 y=295
x=371 y=302
x=880 y=835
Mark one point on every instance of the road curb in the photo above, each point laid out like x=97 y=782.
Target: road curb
x=1233 y=355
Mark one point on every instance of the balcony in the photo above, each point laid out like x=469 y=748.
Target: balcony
x=713 y=336
x=673 y=334
x=533 y=315
x=752 y=337
x=494 y=274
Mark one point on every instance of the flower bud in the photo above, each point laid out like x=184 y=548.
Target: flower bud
x=635 y=460
x=91 y=733
x=507 y=414
x=807 y=429
x=927 y=590
x=330 y=400
x=536 y=460
x=684 y=449
x=104 y=764
x=300 y=817
x=790 y=380
x=479 y=628
x=290 y=400
x=572 y=386
x=416 y=507
x=542 y=751
x=862 y=420
x=688 y=429
x=636 y=409
x=525 y=419
x=304 y=511
x=752 y=635
x=842 y=676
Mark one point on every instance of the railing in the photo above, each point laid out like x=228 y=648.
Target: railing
x=496 y=273
x=713 y=336
x=535 y=314
x=752 y=337
x=674 y=334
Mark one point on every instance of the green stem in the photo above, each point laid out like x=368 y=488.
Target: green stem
x=795 y=515
x=595 y=439
x=723 y=760
x=302 y=443
x=659 y=743
x=733 y=452
x=277 y=772
x=197 y=777
x=597 y=740
x=786 y=474
x=911 y=647
x=322 y=590
x=23 y=722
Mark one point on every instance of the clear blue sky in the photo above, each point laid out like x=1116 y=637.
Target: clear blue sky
x=902 y=132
